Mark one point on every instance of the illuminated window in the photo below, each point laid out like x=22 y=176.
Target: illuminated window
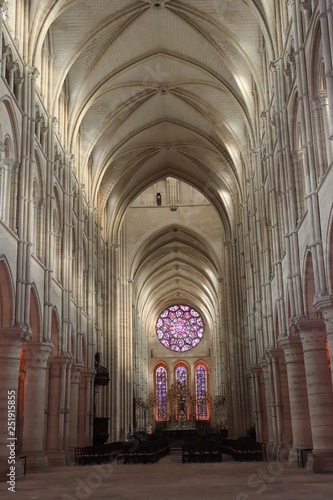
x=181 y=381
x=201 y=392
x=179 y=328
x=161 y=388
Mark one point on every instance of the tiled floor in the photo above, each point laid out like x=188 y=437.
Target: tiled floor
x=170 y=479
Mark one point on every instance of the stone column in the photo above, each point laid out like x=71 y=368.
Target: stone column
x=261 y=430
x=37 y=355
x=319 y=385
x=85 y=410
x=55 y=445
x=271 y=428
x=3 y=9
x=299 y=404
x=73 y=409
x=10 y=348
x=327 y=51
x=282 y=403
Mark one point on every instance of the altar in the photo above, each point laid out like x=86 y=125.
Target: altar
x=177 y=433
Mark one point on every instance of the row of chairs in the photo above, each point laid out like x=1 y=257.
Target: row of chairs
x=90 y=455
x=147 y=452
x=201 y=451
x=245 y=450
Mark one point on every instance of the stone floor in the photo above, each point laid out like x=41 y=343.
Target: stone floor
x=170 y=479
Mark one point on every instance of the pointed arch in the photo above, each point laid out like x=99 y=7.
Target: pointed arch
x=73 y=343
x=309 y=285
x=35 y=315
x=84 y=352
x=55 y=332
x=329 y=253
x=202 y=407
x=161 y=391
x=182 y=380
x=7 y=298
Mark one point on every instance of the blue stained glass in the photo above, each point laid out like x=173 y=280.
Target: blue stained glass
x=201 y=392
x=181 y=385
x=161 y=393
x=182 y=326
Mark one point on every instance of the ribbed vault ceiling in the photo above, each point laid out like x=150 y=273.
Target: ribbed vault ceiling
x=157 y=88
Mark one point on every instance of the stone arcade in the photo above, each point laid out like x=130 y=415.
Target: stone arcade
x=158 y=154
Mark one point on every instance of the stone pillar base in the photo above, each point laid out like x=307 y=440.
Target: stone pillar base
x=320 y=461
x=293 y=460
x=58 y=458
x=36 y=461
x=282 y=453
x=270 y=450
x=71 y=454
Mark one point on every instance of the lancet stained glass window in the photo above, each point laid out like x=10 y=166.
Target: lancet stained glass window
x=201 y=390
x=161 y=381
x=180 y=328
x=181 y=384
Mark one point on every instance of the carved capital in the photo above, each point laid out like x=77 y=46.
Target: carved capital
x=293 y=350
x=58 y=363
x=3 y=7
x=313 y=340
x=304 y=324
x=324 y=304
x=11 y=341
x=75 y=373
x=264 y=366
x=34 y=73
x=275 y=354
x=274 y=65
x=37 y=354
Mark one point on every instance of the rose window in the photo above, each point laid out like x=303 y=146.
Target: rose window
x=179 y=328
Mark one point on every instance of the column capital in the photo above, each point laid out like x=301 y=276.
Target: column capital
x=263 y=363
x=293 y=349
x=274 y=65
x=3 y=6
x=37 y=354
x=15 y=333
x=306 y=324
x=33 y=72
x=313 y=340
x=275 y=353
x=62 y=360
x=256 y=369
x=324 y=304
x=88 y=374
x=76 y=373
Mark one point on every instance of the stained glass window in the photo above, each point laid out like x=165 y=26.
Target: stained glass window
x=182 y=390
x=161 y=380
x=179 y=328
x=201 y=388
